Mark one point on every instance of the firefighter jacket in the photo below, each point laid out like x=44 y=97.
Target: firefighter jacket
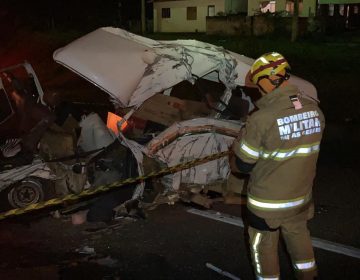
x=283 y=139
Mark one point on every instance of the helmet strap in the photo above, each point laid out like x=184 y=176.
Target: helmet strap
x=277 y=82
x=282 y=78
x=258 y=84
x=261 y=88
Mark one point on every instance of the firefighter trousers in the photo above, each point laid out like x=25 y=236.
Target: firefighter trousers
x=264 y=247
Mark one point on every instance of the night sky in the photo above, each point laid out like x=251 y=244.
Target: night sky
x=75 y=14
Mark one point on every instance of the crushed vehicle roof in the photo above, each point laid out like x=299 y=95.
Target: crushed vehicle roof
x=132 y=68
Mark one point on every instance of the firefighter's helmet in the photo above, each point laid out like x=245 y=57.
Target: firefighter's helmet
x=267 y=65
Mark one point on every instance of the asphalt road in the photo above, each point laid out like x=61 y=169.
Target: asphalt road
x=170 y=244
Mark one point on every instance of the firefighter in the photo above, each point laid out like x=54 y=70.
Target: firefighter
x=279 y=147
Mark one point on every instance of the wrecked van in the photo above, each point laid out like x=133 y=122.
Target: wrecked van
x=173 y=102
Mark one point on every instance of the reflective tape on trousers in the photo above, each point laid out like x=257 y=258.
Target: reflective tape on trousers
x=255 y=245
x=305 y=265
x=267 y=278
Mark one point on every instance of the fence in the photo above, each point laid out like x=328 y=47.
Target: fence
x=252 y=25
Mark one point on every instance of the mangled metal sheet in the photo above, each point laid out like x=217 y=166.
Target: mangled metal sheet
x=94 y=134
x=188 y=140
x=306 y=89
x=38 y=168
x=107 y=59
x=132 y=68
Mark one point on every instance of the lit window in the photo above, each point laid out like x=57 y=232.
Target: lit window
x=290 y=6
x=165 y=13
x=267 y=6
x=191 y=13
x=341 y=10
x=356 y=10
x=211 y=10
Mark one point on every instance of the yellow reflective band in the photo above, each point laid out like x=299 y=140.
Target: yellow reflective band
x=305 y=265
x=297 y=151
x=255 y=245
x=248 y=150
x=278 y=205
x=263 y=59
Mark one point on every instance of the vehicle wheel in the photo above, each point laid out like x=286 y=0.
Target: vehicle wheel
x=27 y=192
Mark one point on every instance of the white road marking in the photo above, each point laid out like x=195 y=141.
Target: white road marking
x=222 y=272
x=317 y=242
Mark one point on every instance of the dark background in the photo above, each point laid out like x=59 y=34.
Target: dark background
x=72 y=14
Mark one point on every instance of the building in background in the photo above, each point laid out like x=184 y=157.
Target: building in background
x=307 y=8
x=190 y=15
x=195 y=15
x=347 y=11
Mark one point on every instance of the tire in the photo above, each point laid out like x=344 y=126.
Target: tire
x=25 y=193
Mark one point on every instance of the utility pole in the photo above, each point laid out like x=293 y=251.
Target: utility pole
x=295 y=22
x=143 y=17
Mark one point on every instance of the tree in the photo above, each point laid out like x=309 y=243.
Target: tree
x=143 y=17
x=295 y=22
